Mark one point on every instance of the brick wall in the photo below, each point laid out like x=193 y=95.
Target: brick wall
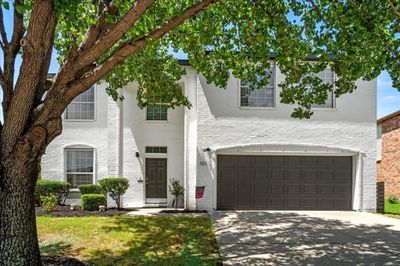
x=389 y=166
x=222 y=123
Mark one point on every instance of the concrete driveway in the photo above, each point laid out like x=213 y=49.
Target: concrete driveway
x=307 y=238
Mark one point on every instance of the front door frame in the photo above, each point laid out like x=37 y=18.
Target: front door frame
x=155 y=200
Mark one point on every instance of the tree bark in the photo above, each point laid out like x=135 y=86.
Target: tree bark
x=18 y=175
x=18 y=235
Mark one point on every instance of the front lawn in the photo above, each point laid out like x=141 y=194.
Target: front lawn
x=391 y=208
x=159 y=240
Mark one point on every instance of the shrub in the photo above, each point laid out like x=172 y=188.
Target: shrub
x=91 y=202
x=393 y=199
x=57 y=188
x=176 y=189
x=116 y=187
x=49 y=203
x=90 y=189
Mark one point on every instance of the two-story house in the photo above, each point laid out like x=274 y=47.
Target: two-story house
x=242 y=145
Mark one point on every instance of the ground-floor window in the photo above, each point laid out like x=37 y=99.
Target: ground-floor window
x=80 y=166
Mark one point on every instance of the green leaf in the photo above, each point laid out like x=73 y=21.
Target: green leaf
x=20 y=9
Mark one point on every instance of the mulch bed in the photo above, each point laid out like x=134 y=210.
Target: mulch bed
x=182 y=211
x=65 y=211
x=62 y=261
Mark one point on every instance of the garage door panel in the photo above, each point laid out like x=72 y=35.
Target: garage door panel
x=244 y=182
x=276 y=189
x=277 y=204
x=293 y=162
x=244 y=203
x=293 y=176
x=261 y=161
x=326 y=189
x=260 y=203
x=326 y=204
x=308 y=162
x=342 y=203
x=284 y=182
x=277 y=161
x=326 y=176
x=243 y=161
x=309 y=204
x=310 y=189
x=293 y=204
x=293 y=189
x=260 y=187
x=342 y=189
x=277 y=175
x=309 y=176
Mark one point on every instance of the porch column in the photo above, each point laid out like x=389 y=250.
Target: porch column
x=190 y=136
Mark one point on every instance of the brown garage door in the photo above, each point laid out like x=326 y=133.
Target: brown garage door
x=284 y=182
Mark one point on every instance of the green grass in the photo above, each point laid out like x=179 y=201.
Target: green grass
x=123 y=240
x=391 y=208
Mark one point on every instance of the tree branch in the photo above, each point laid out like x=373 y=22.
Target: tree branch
x=2 y=79
x=59 y=97
x=114 y=34
x=134 y=46
x=397 y=12
x=2 y=30
x=95 y=31
x=93 y=48
x=18 y=32
x=37 y=46
x=10 y=53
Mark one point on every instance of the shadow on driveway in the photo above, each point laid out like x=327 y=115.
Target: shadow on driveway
x=307 y=238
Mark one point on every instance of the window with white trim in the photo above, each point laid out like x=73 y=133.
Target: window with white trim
x=157 y=110
x=156 y=149
x=82 y=107
x=80 y=164
x=261 y=97
x=328 y=77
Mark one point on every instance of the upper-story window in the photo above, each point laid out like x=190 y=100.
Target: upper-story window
x=262 y=97
x=157 y=110
x=82 y=107
x=80 y=164
x=327 y=76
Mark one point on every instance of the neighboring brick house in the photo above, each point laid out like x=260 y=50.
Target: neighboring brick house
x=241 y=144
x=388 y=160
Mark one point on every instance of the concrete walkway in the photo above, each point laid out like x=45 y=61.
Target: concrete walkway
x=307 y=238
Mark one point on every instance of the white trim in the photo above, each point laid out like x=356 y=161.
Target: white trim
x=94 y=109
x=155 y=200
x=78 y=147
x=239 y=90
x=156 y=121
x=333 y=108
x=356 y=169
x=286 y=148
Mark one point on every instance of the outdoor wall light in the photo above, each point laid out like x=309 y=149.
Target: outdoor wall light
x=207 y=149
x=137 y=154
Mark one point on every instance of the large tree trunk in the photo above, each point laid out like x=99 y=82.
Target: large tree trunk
x=18 y=234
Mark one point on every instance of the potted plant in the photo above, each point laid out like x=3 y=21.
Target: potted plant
x=177 y=190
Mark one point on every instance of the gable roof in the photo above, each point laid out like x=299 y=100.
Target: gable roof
x=382 y=119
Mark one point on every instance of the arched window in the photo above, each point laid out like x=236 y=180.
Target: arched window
x=79 y=166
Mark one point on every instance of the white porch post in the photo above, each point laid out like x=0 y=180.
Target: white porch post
x=190 y=136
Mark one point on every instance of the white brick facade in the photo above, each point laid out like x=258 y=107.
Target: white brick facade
x=217 y=121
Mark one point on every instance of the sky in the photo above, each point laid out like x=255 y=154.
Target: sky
x=388 y=98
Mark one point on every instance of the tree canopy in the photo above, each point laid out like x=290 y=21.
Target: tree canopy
x=357 y=39
x=130 y=40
